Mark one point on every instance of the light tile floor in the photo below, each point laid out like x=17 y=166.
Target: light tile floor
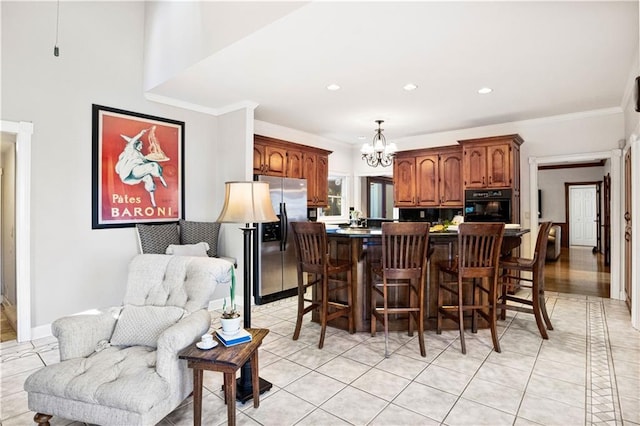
x=588 y=372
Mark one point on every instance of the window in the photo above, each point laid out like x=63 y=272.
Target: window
x=337 y=209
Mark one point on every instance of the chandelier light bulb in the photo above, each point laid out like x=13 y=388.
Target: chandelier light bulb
x=378 y=152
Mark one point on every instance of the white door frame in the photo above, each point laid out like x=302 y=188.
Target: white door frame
x=23 y=131
x=617 y=231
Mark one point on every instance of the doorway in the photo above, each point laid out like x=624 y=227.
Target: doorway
x=380 y=197
x=613 y=158
x=581 y=211
x=8 y=302
x=20 y=133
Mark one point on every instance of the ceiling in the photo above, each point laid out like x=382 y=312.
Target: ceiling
x=540 y=58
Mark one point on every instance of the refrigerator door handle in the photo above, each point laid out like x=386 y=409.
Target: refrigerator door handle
x=284 y=226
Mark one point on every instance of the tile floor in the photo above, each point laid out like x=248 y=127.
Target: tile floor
x=588 y=372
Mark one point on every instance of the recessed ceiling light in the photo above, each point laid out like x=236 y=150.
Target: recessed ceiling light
x=333 y=87
x=409 y=87
x=485 y=90
x=362 y=137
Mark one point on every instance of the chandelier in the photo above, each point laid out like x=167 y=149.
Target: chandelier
x=378 y=152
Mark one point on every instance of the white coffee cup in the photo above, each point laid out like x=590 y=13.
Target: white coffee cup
x=207 y=339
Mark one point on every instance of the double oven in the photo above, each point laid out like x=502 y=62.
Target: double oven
x=492 y=205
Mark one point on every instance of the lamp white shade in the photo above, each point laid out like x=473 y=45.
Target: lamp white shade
x=247 y=202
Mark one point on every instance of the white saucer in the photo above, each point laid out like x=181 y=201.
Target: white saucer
x=201 y=345
x=225 y=334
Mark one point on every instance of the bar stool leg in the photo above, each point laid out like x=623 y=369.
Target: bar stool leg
x=461 y=316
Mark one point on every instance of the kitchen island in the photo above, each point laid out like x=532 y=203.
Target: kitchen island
x=362 y=246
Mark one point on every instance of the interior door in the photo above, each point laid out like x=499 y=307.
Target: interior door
x=627 y=228
x=607 y=220
x=582 y=217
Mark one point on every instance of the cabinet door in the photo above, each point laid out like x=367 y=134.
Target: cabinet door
x=427 y=189
x=499 y=166
x=475 y=169
x=451 y=192
x=404 y=189
x=294 y=164
x=259 y=160
x=310 y=173
x=322 y=181
x=276 y=161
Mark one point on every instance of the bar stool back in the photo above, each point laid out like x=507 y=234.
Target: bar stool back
x=476 y=268
x=312 y=252
x=403 y=268
x=513 y=268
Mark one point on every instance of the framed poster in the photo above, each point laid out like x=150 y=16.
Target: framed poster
x=137 y=168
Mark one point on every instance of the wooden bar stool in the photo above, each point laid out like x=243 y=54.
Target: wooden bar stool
x=403 y=268
x=312 y=252
x=475 y=266
x=512 y=268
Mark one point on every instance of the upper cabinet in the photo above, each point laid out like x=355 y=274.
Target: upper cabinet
x=428 y=178
x=275 y=157
x=269 y=160
x=492 y=162
x=316 y=172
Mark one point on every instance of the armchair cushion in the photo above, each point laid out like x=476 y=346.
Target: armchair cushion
x=195 y=232
x=103 y=377
x=198 y=250
x=143 y=325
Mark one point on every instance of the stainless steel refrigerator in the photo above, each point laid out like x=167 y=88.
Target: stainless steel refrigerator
x=274 y=252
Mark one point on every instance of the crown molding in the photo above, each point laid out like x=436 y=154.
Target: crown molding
x=201 y=108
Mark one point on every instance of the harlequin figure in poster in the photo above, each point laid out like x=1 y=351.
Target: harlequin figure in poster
x=133 y=167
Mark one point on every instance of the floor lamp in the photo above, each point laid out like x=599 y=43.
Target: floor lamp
x=248 y=203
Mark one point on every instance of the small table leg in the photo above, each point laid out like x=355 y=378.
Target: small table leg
x=197 y=397
x=255 y=379
x=230 y=397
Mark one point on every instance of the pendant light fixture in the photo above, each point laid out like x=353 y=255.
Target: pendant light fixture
x=379 y=152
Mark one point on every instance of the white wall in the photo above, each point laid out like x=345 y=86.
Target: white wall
x=73 y=267
x=551 y=183
x=180 y=34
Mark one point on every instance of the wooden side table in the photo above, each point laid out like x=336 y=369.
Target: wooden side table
x=227 y=361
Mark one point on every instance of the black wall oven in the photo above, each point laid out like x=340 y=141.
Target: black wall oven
x=493 y=205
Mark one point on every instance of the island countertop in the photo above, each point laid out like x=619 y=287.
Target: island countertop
x=377 y=232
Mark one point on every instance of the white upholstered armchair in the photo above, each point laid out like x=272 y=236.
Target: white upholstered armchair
x=120 y=367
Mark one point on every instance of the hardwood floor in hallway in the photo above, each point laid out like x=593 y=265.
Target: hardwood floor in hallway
x=578 y=271
x=6 y=331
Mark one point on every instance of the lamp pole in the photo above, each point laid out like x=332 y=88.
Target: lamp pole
x=247 y=202
x=244 y=385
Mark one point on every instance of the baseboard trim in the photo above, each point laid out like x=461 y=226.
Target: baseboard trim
x=41 y=332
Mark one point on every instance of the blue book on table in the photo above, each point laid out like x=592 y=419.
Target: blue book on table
x=241 y=336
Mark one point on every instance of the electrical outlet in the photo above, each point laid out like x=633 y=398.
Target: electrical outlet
x=421 y=214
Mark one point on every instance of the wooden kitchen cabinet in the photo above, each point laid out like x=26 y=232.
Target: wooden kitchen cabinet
x=451 y=191
x=295 y=164
x=269 y=160
x=404 y=181
x=276 y=157
x=492 y=162
x=427 y=190
x=316 y=171
x=428 y=178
